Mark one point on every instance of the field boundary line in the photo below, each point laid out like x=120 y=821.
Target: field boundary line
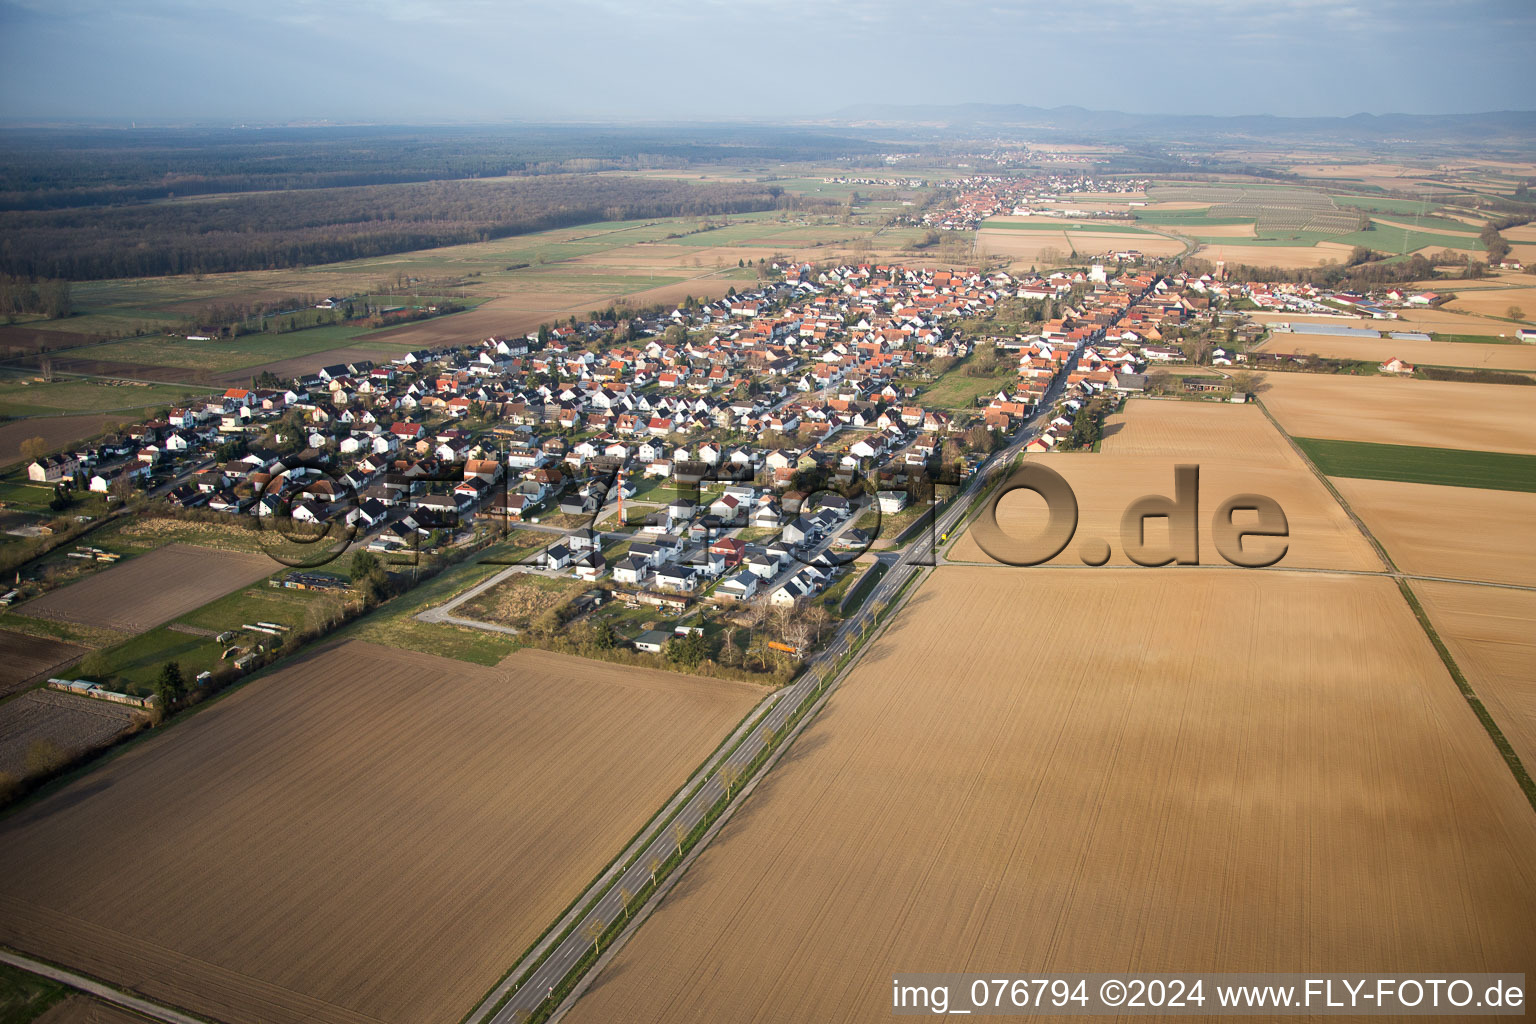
x=588 y=907
x=1512 y=759
x=829 y=686
x=1500 y=741
x=560 y=926
x=100 y=989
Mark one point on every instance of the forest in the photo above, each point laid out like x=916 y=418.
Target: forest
x=49 y=169
x=315 y=226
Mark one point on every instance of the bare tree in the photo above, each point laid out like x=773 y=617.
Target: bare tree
x=817 y=618
x=593 y=930
x=624 y=897
x=729 y=774
x=795 y=627
x=43 y=756
x=34 y=448
x=679 y=833
x=655 y=866
x=758 y=614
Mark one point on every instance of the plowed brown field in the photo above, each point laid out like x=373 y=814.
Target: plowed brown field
x=66 y=722
x=1103 y=770
x=24 y=658
x=154 y=588
x=366 y=835
x=56 y=431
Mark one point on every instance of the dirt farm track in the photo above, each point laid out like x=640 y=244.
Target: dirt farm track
x=143 y=592
x=1011 y=778
x=365 y=835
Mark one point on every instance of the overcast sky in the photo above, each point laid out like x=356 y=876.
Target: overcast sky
x=489 y=60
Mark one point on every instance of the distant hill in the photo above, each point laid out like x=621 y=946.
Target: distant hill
x=1510 y=127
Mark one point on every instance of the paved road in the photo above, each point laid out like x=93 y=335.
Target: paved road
x=903 y=566
x=657 y=840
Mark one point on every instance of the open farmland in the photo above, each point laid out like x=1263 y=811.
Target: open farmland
x=366 y=835
x=1419 y=464
x=56 y=431
x=1286 y=257
x=1436 y=321
x=31 y=398
x=24 y=658
x=1496 y=301
x=1463 y=532
x=1195 y=430
x=518 y=282
x=62 y=724
x=1097 y=243
x=154 y=588
x=1387 y=410
x=1468 y=355
x=1488 y=632
x=1030 y=246
x=1321 y=535
x=1188 y=789
x=1238 y=452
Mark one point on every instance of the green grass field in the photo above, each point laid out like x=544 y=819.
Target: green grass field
x=395 y=623
x=1386 y=238
x=1180 y=218
x=20 y=397
x=1411 y=464
x=236 y=354
x=956 y=390
x=24 y=997
x=1408 y=206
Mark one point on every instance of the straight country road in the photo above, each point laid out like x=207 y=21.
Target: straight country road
x=523 y=1000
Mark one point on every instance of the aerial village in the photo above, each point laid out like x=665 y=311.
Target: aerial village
x=720 y=451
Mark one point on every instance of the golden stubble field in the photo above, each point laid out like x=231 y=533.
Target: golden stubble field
x=1478 y=535
x=1388 y=410
x=1488 y=631
x=1284 y=256
x=1461 y=532
x=366 y=835
x=1440 y=321
x=1105 y=770
x=1024 y=245
x=1427 y=353
x=1496 y=301
x=1238 y=452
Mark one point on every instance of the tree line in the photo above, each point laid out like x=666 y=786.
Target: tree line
x=56 y=168
x=1362 y=270
x=25 y=295
x=288 y=229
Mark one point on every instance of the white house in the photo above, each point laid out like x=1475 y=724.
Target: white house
x=739 y=587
